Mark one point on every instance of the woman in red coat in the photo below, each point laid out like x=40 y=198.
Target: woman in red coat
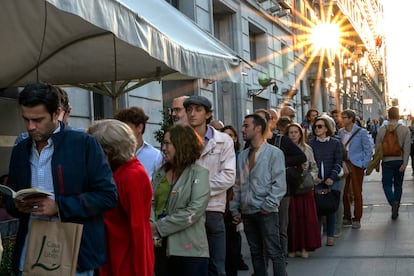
x=128 y=236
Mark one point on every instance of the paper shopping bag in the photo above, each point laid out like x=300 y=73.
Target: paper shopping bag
x=52 y=248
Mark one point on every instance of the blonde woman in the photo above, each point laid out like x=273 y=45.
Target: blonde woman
x=303 y=232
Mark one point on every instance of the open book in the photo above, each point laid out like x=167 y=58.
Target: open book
x=24 y=193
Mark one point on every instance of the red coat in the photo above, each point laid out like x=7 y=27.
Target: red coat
x=128 y=236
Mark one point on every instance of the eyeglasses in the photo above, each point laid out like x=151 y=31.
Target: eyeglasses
x=176 y=109
x=319 y=126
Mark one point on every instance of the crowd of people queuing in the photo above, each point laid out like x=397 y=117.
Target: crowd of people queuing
x=180 y=210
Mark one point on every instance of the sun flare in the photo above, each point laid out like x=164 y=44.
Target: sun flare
x=326 y=35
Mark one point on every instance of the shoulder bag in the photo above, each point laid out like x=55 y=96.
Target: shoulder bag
x=306 y=185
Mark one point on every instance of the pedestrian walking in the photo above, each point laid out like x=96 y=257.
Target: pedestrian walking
x=358 y=152
x=393 y=166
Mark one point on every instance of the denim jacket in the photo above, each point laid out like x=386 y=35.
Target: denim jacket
x=263 y=186
x=359 y=148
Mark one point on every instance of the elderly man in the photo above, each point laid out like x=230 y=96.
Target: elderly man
x=178 y=113
x=288 y=111
x=217 y=124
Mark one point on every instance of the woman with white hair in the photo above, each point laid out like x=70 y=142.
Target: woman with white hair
x=128 y=235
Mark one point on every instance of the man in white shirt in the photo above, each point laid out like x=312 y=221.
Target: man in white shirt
x=219 y=157
x=150 y=157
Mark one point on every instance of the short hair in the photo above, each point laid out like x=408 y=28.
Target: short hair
x=40 y=94
x=265 y=112
x=310 y=111
x=349 y=113
x=285 y=110
x=328 y=125
x=117 y=140
x=133 y=115
x=188 y=146
x=393 y=113
x=232 y=129
x=64 y=99
x=283 y=121
x=301 y=132
x=334 y=111
x=258 y=121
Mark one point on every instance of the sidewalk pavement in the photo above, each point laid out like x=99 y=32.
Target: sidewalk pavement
x=381 y=247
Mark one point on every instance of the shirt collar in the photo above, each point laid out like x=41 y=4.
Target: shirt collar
x=326 y=139
x=209 y=134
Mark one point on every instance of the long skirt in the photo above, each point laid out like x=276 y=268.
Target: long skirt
x=304 y=230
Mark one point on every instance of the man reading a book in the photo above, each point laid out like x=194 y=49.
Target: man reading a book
x=70 y=165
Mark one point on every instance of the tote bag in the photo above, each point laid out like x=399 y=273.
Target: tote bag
x=52 y=248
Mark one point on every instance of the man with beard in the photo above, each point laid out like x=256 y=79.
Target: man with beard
x=69 y=164
x=178 y=112
x=259 y=188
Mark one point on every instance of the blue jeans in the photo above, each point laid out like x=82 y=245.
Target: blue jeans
x=330 y=224
x=392 y=180
x=216 y=235
x=262 y=233
x=284 y=223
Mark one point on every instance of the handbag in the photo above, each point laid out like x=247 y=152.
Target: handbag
x=327 y=201
x=294 y=177
x=306 y=185
x=52 y=248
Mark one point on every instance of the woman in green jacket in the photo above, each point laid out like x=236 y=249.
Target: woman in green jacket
x=181 y=193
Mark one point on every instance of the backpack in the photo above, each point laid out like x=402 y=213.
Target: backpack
x=390 y=144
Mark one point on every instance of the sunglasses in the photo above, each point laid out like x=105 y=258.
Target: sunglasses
x=319 y=126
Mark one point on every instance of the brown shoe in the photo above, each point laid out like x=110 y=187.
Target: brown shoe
x=394 y=209
x=292 y=254
x=304 y=254
x=356 y=225
x=330 y=241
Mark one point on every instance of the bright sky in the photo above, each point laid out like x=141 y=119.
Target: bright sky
x=398 y=28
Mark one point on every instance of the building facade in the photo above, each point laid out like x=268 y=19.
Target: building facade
x=272 y=39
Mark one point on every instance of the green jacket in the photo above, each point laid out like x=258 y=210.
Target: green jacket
x=185 y=223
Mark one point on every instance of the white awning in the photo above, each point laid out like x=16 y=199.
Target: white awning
x=88 y=41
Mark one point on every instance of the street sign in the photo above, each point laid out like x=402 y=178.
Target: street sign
x=367 y=101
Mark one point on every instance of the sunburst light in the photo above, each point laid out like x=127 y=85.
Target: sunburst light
x=322 y=39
